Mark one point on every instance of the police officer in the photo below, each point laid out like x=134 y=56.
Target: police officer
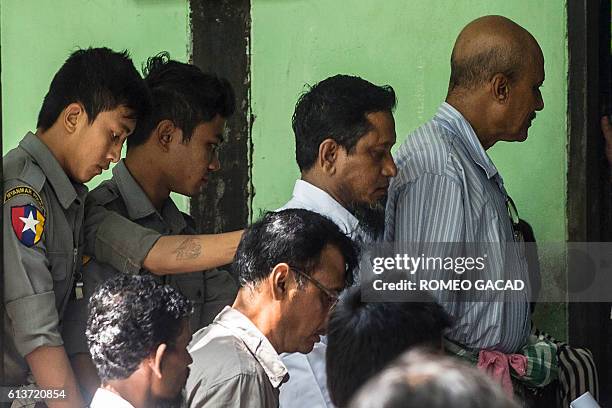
x=92 y=105
x=173 y=150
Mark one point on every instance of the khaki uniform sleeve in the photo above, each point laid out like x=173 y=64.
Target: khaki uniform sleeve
x=28 y=278
x=115 y=240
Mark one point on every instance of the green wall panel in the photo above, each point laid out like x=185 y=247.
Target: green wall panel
x=38 y=35
x=406 y=44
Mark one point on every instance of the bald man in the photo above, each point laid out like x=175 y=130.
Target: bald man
x=448 y=189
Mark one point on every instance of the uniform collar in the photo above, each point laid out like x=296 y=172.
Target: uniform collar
x=256 y=342
x=464 y=131
x=138 y=204
x=65 y=190
x=310 y=197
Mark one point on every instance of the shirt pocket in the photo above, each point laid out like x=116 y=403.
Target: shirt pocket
x=60 y=263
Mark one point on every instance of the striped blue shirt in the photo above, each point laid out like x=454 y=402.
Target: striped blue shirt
x=448 y=190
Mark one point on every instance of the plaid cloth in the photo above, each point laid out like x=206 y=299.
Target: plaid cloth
x=577 y=371
x=541 y=353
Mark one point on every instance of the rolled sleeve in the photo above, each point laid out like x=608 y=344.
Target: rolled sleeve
x=29 y=299
x=117 y=241
x=34 y=322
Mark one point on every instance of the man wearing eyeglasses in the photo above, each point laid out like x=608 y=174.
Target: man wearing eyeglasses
x=291 y=264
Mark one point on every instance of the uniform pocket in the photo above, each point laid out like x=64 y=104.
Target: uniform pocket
x=60 y=264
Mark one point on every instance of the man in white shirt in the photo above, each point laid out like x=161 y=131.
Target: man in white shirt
x=291 y=265
x=138 y=332
x=344 y=130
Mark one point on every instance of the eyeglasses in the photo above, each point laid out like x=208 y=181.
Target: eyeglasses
x=514 y=219
x=332 y=296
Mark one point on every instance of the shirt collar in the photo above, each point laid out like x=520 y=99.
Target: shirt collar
x=106 y=398
x=313 y=198
x=256 y=342
x=138 y=204
x=464 y=131
x=65 y=190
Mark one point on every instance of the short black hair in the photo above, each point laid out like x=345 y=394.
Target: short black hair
x=364 y=337
x=129 y=317
x=474 y=70
x=101 y=80
x=183 y=94
x=422 y=379
x=336 y=108
x=296 y=237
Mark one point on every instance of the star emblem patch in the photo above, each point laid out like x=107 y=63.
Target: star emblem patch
x=28 y=224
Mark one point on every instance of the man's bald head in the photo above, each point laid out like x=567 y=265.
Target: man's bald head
x=487 y=46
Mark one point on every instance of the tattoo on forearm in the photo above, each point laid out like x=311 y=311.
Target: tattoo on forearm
x=188 y=249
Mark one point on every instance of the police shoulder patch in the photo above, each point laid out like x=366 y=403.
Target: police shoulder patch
x=28 y=224
x=24 y=190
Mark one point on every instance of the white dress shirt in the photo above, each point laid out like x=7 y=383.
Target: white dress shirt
x=105 y=398
x=307 y=385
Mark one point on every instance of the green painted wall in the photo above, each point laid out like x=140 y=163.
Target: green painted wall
x=404 y=44
x=38 y=35
x=407 y=45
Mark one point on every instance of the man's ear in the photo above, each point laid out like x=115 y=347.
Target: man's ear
x=279 y=281
x=500 y=88
x=73 y=116
x=328 y=154
x=156 y=359
x=164 y=133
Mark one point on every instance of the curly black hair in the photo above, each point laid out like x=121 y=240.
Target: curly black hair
x=129 y=317
x=183 y=94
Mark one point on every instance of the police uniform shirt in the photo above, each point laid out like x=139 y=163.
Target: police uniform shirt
x=209 y=291
x=43 y=213
x=44 y=242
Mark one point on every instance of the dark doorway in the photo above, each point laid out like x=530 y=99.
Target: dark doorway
x=589 y=194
